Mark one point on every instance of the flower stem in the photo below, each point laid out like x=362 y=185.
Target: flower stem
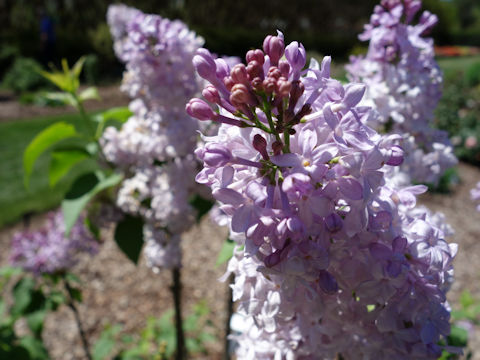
x=177 y=292
x=71 y=305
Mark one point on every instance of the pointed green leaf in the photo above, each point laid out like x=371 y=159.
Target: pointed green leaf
x=43 y=141
x=61 y=80
x=120 y=114
x=129 y=237
x=82 y=191
x=89 y=93
x=22 y=295
x=62 y=162
x=63 y=97
x=77 y=68
x=226 y=252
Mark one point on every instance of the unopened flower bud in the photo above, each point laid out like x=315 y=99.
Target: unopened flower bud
x=239 y=74
x=284 y=68
x=396 y=156
x=269 y=84
x=274 y=72
x=228 y=81
x=211 y=94
x=199 y=109
x=255 y=55
x=260 y=144
x=254 y=69
x=284 y=87
x=205 y=64
x=240 y=95
x=274 y=47
x=277 y=147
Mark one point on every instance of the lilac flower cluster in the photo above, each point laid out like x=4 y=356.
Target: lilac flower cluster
x=48 y=250
x=475 y=194
x=156 y=144
x=404 y=85
x=331 y=259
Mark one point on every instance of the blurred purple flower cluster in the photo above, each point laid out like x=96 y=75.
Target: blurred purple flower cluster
x=156 y=144
x=404 y=85
x=48 y=250
x=475 y=194
x=332 y=257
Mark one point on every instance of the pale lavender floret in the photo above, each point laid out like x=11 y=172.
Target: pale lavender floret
x=475 y=195
x=48 y=250
x=404 y=85
x=336 y=259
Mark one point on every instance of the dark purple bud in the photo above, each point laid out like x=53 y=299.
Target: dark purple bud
x=296 y=91
x=254 y=70
x=257 y=84
x=277 y=147
x=269 y=84
x=333 y=222
x=396 y=156
x=241 y=95
x=284 y=68
x=205 y=64
x=216 y=155
x=274 y=47
x=228 y=81
x=283 y=87
x=211 y=94
x=260 y=144
x=273 y=259
x=199 y=109
x=256 y=55
x=327 y=282
x=239 y=74
x=274 y=72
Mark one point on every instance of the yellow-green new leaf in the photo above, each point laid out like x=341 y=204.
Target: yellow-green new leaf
x=62 y=162
x=89 y=93
x=42 y=142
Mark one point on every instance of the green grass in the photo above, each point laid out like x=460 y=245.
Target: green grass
x=15 y=199
x=457 y=63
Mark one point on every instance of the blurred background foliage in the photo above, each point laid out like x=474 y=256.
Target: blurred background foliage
x=229 y=27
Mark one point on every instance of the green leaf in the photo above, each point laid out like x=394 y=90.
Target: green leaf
x=120 y=114
x=466 y=299
x=105 y=344
x=62 y=97
x=22 y=295
x=35 y=348
x=76 y=294
x=89 y=94
x=458 y=337
x=82 y=191
x=35 y=321
x=43 y=141
x=226 y=252
x=129 y=237
x=77 y=68
x=62 y=162
x=61 y=80
x=201 y=204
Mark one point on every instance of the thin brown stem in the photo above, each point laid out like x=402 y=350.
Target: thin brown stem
x=71 y=305
x=177 y=296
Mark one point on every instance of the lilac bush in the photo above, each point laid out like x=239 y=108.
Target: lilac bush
x=404 y=86
x=333 y=257
x=155 y=146
x=48 y=250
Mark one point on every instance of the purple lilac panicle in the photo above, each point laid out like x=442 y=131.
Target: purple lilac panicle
x=404 y=85
x=48 y=250
x=156 y=144
x=335 y=257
